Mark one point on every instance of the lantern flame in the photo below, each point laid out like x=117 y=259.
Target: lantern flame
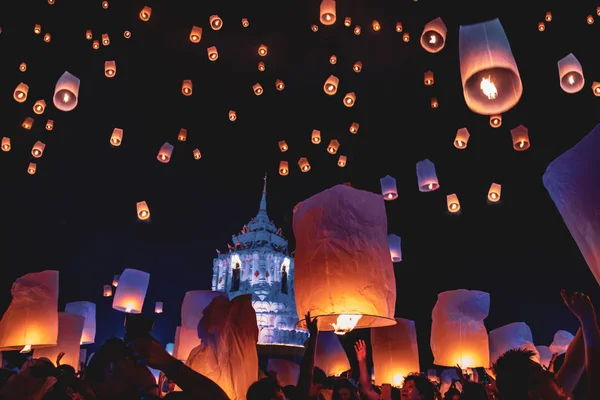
x=522 y=144
x=398 y=379
x=571 y=80
x=430 y=186
x=128 y=310
x=432 y=39
x=460 y=143
x=26 y=349
x=488 y=88
x=345 y=323
x=66 y=98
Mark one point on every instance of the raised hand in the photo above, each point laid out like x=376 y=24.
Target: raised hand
x=361 y=350
x=580 y=305
x=59 y=357
x=311 y=325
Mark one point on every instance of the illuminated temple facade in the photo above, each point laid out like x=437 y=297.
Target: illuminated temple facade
x=259 y=263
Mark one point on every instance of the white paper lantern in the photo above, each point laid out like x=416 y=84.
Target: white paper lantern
x=66 y=92
x=158 y=307
x=330 y=355
x=70 y=327
x=433 y=38
x=561 y=342
x=131 y=292
x=545 y=355
x=426 y=176
x=388 y=188
x=88 y=311
x=115 y=281
x=287 y=372
x=194 y=303
x=516 y=335
x=185 y=341
x=395 y=245
x=570 y=74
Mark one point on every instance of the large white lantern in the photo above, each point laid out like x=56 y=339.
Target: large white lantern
x=66 y=92
x=70 y=327
x=511 y=336
x=561 y=342
x=88 y=311
x=131 y=292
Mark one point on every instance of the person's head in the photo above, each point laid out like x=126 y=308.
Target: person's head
x=318 y=382
x=344 y=390
x=518 y=377
x=417 y=387
x=265 y=389
x=452 y=394
x=473 y=391
x=170 y=385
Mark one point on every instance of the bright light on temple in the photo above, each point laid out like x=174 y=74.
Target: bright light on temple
x=488 y=88
x=345 y=323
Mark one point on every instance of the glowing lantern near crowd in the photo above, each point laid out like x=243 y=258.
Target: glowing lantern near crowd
x=70 y=327
x=330 y=355
x=395 y=352
x=66 y=92
x=287 y=372
x=86 y=310
x=395 y=246
x=131 y=292
x=143 y=212
x=327 y=12
x=511 y=336
x=426 y=176
x=165 y=153
x=462 y=138
x=433 y=38
x=570 y=74
x=561 y=342
x=388 y=188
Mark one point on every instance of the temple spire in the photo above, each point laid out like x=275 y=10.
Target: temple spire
x=262 y=210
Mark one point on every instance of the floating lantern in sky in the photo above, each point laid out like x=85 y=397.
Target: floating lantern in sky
x=39 y=107
x=452 y=203
x=5 y=144
x=357 y=67
x=428 y=78
x=406 y=37
x=303 y=164
x=279 y=85
x=327 y=12
x=86 y=310
x=51 y=2
x=496 y=121
x=350 y=99
x=548 y=16
x=284 y=168
x=27 y=123
x=127 y=34
x=458 y=334
x=196 y=34
x=31 y=168
x=47 y=37
x=357 y=30
x=117 y=137
x=333 y=59
x=23 y=67
x=347 y=22
x=187 y=87
x=399 y=27
x=561 y=342
x=215 y=22
x=31 y=320
x=495 y=192
x=115 y=281
x=570 y=73
x=590 y=19
x=66 y=92
x=105 y=4
x=342 y=161
x=395 y=246
x=434 y=103
x=315 y=136
x=433 y=38
x=245 y=22
x=573 y=182
x=182 y=136
x=462 y=138
x=354 y=128
x=489 y=72
x=213 y=54
x=330 y=355
x=38 y=149
x=110 y=69
x=232 y=115
x=395 y=352
x=165 y=153
x=511 y=336
x=426 y=176
x=333 y=147
x=95 y=45
x=37 y=29
x=131 y=292
x=343 y=299
x=20 y=93
x=283 y=147
x=49 y=125
x=520 y=138
x=261 y=66
x=88 y=34
x=376 y=26
x=145 y=13
x=257 y=88
x=388 y=188
x=331 y=85
x=107 y=291
x=541 y=26
x=596 y=89
x=197 y=154
x=70 y=327
x=314 y=28
x=143 y=212
x=158 y=307
x=262 y=50
x=105 y=39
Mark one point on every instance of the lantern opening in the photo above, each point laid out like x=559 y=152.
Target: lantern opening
x=345 y=323
x=433 y=41
x=26 y=349
x=490 y=85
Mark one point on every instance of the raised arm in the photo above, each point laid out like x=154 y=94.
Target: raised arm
x=308 y=361
x=366 y=388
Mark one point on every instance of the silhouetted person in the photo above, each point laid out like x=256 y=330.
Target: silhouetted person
x=284 y=280
x=235 y=285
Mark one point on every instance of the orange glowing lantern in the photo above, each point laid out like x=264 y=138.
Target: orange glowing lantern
x=187 y=87
x=354 y=128
x=284 y=168
x=131 y=292
x=6 y=144
x=49 y=125
x=23 y=67
x=495 y=192
x=303 y=164
x=347 y=22
x=342 y=161
x=327 y=12
x=261 y=66
x=428 y=78
x=215 y=22
x=66 y=92
x=105 y=39
x=376 y=26
x=165 y=153
x=117 y=137
x=315 y=137
x=333 y=59
x=541 y=26
x=105 y=4
x=283 y=146
x=462 y=138
x=38 y=149
x=115 y=281
x=596 y=89
x=47 y=37
x=489 y=73
x=95 y=45
x=39 y=107
x=350 y=99
x=395 y=352
x=331 y=85
x=388 y=188
x=86 y=310
x=571 y=74
x=126 y=34
x=245 y=22
x=110 y=69
x=433 y=38
x=70 y=327
x=598 y=11
x=88 y=34
x=453 y=203
x=548 y=17
x=279 y=85
x=107 y=291
x=333 y=147
x=434 y=103
x=145 y=13
x=213 y=54
x=258 y=89
x=27 y=123
x=330 y=355
x=357 y=30
x=232 y=115
x=182 y=136
x=158 y=307
x=426 y=176
x=314 y=28
x=406 y=37
x=143 y=212
x=37 y=29
x=496 y=121
x=197 y=154
x=399 y=27
x=262 y=50
x=357 y=67
x=31 y=168
x=590 y=19
x=520 y=138
x=20 y=93
x=196 y=34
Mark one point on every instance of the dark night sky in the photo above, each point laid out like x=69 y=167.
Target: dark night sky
x=77 y=214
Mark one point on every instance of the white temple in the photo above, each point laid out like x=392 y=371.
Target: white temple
x=259 y=264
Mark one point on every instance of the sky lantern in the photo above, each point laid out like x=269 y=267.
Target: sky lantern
x=376 y=26
x=182 y=136
x=261 y=66
x=388 y=188
x=165 y=152
x=314 y=28
x=350 y=99
x=426 y=176
x=395 y=352
x=428 y=78
x=215 y=22
x=433 y=38
x=596 y=89
x=47 y=37
x=495 y=192
x=27 y=123
x=342 y=161
x=570 y=73
x=23 y=67
x=20 y=93
x=489 y=72
x=315 y=136
x=573 y=182
x=66 y=92
x=115 y=281
x=145 y=13
x=31 y=320
x=107 y=291
x=110 y=69
x=545 y=355
x=88 y=34
x=38 y=149
x=187 y=87
x=406 y=37
x=548 y=17
x=541 y=26
x=347 y=22
x=354 y=128
x=37 y=29
x=304 y=164
x=561 y=342
x=86 y=310
x=95 y=44
x=327 y=12
x=232 y=115
x=283 y=147
x=158 y=307
x=340 y=232
x=287 y=372
x=590 y=19
x=395 y=246
x=516 y=335
x=143 y=212
x=105 y=4
x=262 y=50
x=105 y=39
x=333 y=147
x=357 y=30
x=197 y=154
x=399 y=27
x=258 y=89
x=458 y=334
x=5 y=144
x=39 y=107
x=31 y=168
x=279 y=85
x=131 y=292
x=49 y=125
x=196 y=34
x=212 y=52
x=452 y=203
x=357 y=67
x=520 y=138
x=434 y=103
x=333 y=59
x=126 y=34
x=462 y=138
x=496 y=121
x=331 y=85
x=245 y=22
x=117 y=137
x=284 y=168
x=70 y=327
x=330 y=355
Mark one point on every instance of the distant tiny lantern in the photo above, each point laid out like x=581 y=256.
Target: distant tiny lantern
x=196 y=34
x=257 y=88
x=426 y=176
x=342 y=161
x=283 y=147
x=262 y=50
x=354 y=128
x=131 y=292
x=261 y=66
x=20 y=93
x=357 y=30
x=434 y=103
x=399 y=27
x=433 y=38
x=27 y=123
x=165 y=153
x=314 y=28
x=520 y=138
x=88 y=34
x=571 y=74
x=496 y=121
x=232 y=115
x=596 y=88
x=590 y=19
x=453 y=203
x=187 y=87
x=245 y=22
x=110 y=69
x=462 y=138
x=117 y=137
x=95 y=45
x=327 y=12
x=350 y=99
x=333 y=147
x=216 y=22
x=105 y=39
x=284 y=169
x=494 y=192
x=388 y=188
x=47 y=37
x=347 y=22
x=51 y=2
x=213 y=54
x=333 y=59
x=5 y=144
x=303 y=164
x=331 y=85
x=598 y=11
x=428 y=78
x=158 y=307
x=105 y=4
x=39 y=107
x=376 y=26
x=182 y=137
x=143 y=212
x=37 y=29
x=357 y=67
x=548 y=17
x=38 y=149
x=279 y=85
x=315 y=137
x=145 y=13
x=66 y=92
x=31 y=168
x=541 y=26
x=115 y=281
x=127 y=34
x=406 y=37
x=107 y=291
x=395 y=245
x=197 y=154
x=23 y=67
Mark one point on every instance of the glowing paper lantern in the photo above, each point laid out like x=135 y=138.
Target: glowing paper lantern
x=315 y=136
x=399 y=27
x=340 y=232
x=5 y=144
x=86 y=310
x=347 y=22
x=330 y=355
x=357 y=67
x=428 y=78
x=495 y=192
x=117 y=137
x=66 y=92
x=354 y=128
x=126 y=34
x=433 y=38
x=333 y=59
x=496 y=121
x=541 y=26
x=304 y=164
x=287 y=372
x=31 y=320
x=182 y=137
x=545 y=355
x=573 y=182
x=95 y=45
x=261 y=66
x=516 y=335
x=105 y=39
x=350 y=99
x=342 y=161
x=49 y=125
x=462 y=138
x=197 y=154
x=165 y=153
x=314 y=28
x=262 y=50
x=395 y=352
x=333 y=147
x=458 y=335
x=388 y=188
x=158 y=307
x=20 y=93
x=434 y=103
x=570 y=74
x=245 y=22
x=395 y=246
x=232 y=115
x=561 y=342
x=215 y=22
x=520 y=138
x=426 y=176
x=406 y=37
x=213 y=54
x=88 y=34
x=257 y=88
x=47 y=37
x=590 y=19
x=145 y=13
x=115 y=281
x=110 y=69
x=376 y=26
x=37 y=29
x=107 y=291
x=38 y=149
x=131 y=292
x=169 y=347
x=548 y=17
x=279 y=85
x=453 y=203
x=31 y=168
x=327 y=12
x=196 y=34
x=39 y=107
x=283 y=147
x=357 y=30
x=70 y=327
x=489 y=72
x=187 y=87
x=27 y=123
x=331 y=85
x=596 y=89
x=284 y=168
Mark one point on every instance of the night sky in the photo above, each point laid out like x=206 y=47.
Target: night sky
x=77 y=214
